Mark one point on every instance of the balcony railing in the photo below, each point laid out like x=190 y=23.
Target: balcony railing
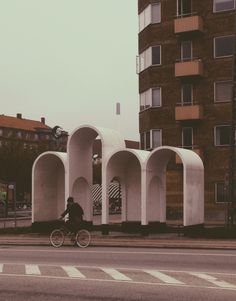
x=188 y=24
x=188 y=112
x=192 y=67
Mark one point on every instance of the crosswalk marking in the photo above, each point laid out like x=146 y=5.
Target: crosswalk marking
x=163 y=277
x=32 y=269
x=213 y=280
x=116 y=274
x=216 y=280
x=73 y=272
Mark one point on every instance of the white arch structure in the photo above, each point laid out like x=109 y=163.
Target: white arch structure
x=142 y=176
x=154 y=198
x=127 y=165
x=80 y=153
x=49 y=186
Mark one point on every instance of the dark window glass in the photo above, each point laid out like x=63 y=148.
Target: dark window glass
x=186 y=50
x=220 y=5
x=187 y=138
x=184 y=7
x=224 y=46
x=186 y=94
x=142 y=140
x=223 y=135
x=156 y=55
x=148 y=140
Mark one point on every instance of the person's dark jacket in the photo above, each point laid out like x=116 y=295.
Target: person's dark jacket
x=75 y=212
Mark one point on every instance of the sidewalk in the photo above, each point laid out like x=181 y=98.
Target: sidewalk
x=115 y=239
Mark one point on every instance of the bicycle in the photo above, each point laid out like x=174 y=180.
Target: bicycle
x=81 y=238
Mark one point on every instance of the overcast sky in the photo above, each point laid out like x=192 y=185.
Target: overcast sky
x=70 y=61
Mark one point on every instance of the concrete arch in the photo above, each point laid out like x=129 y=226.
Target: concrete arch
x=127 y=165
x=80 y=151
x=193 y=185
x=49 y=186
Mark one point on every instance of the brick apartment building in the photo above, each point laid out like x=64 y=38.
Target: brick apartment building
x=21 y=141
x=185 y=85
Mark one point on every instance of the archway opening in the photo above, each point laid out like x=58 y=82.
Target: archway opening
x=48 y=188
x=124 y=166
x=115 y=201
x=174 y=191
x=192 y=183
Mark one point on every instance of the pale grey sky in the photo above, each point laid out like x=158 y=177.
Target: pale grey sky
x=70 y=61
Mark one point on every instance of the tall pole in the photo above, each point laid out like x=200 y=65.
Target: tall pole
x=232 y=135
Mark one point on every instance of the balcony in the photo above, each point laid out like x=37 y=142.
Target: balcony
x=192 y=68
x=195 y=149
x=188 y=112
x=188 y=24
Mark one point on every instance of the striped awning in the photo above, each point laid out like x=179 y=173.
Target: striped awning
x=114 y=192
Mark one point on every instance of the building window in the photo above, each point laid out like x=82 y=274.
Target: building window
x=156 y=55
x=156 y=138
x=184 y=8
x=186 y=51
x=187 y=94
x=151 y=14
x=1 y=132
x=220 y=192
x=150 y=98
x=223 y=46
x=150 y=56
x=223 y=91
x=151 y=139
x=222 y=5
x=187 y=138
x=222 y=135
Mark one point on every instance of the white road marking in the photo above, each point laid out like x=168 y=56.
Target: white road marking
x=121 y=282
x=163 y=277
x=73 y=272
x=116 y=274
x=214 y=280
x=32 y=269
x=1 y=267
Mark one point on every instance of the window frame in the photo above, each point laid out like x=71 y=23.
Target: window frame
x=214 y=46
x=215 y=134
x=224 y=10
x=160 y=55
x=182 y=135
x=222 y=81
x=181 y=52
x=177 y=9
x=149 y=93
x=146 y=15
x=143 y=136
x=186 y=103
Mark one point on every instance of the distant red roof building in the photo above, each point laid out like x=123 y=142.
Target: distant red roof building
x=21 y=123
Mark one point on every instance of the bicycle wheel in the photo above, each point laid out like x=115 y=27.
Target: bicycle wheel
x=83 y=238
x=57 y=238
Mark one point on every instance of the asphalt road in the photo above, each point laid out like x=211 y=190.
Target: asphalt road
x=45 y=273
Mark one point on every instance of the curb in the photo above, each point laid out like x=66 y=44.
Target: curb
x=128 y=242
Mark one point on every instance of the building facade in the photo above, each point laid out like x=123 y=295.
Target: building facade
x=21 y=141
x=185 y=72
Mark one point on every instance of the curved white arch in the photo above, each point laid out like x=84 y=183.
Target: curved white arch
x=193 y=181
x=80 y=152
x=49 y=187
x=127 y=165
